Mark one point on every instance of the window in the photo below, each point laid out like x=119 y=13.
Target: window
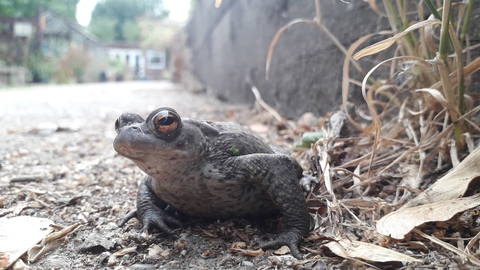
x=155 y=59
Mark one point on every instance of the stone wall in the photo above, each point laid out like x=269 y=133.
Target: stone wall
x=231 y=42
x=12 y=76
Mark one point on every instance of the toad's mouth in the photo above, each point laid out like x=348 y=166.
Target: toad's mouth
x=143 y=152
x=126 y=151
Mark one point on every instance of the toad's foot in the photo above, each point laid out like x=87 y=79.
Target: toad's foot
x=290 y=239
x=150 y=211
x=154 y=217
x=127 y=217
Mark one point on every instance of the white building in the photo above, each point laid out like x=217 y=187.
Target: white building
x=147 y=64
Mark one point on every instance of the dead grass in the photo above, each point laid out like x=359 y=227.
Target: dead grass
x=419 y=119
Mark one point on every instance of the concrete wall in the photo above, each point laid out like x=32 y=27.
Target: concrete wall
x=232 y=41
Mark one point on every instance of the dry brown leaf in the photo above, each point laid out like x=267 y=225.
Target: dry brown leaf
x=441 y=99
x=453 y=185
x=282 y=250
x=165 y=253
x=50 y=242
x=125 y=251
x=384 y=44
x=366 y=251
x=357 y=181
x=248 y=252
x=180 y=244
x=417 y=245
x=469 y=69
x=325 y=166
x=472 y=243
x=154 y=251
x=401 y=222
x=238 y=245
x=18 y=234
x=38 y=251
x=411 y=172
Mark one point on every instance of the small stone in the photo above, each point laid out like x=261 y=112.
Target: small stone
x=112 y=260
x=102 y=257
x=25 y=178
x=23 y=152
x=141 y=266
x=248 y=264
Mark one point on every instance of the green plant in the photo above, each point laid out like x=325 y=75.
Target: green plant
x=41 y=67
x=73 y=65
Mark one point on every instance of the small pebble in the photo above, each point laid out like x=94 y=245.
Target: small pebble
x=140 y=266
x=248 y=264
x=25 y=178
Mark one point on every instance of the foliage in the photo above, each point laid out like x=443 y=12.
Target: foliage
x=118 y=69
x=29 y=8
x=131 y=31
x=41 y=67
x=123 y=15
x=103 y=28
x=157 y=34
x=72 y=65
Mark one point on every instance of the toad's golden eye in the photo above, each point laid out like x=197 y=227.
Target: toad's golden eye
x=166 y=122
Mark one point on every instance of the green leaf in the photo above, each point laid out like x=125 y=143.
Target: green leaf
x=307 y=139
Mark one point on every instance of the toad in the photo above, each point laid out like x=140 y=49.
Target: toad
x=209 y=169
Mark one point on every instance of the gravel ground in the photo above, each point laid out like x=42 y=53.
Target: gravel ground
x=57 y=162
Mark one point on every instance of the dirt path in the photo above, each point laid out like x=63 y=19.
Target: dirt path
x=61 y=137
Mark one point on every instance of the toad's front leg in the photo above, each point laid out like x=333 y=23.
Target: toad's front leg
x=150 y=210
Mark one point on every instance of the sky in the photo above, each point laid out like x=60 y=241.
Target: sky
x=178 y=10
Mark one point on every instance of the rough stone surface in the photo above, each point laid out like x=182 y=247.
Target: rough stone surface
x=232 y=41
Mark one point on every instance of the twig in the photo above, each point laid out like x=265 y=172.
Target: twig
x=445 y=245
x=267 y=107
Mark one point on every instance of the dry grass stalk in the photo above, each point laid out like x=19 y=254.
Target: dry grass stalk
x=413 y=125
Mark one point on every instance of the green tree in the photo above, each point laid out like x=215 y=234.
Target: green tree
x=103 y=28
x=29 y=8
x=132 y=31
x=124 y=14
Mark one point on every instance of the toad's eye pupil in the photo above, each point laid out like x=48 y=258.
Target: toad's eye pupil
x=166 y=120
